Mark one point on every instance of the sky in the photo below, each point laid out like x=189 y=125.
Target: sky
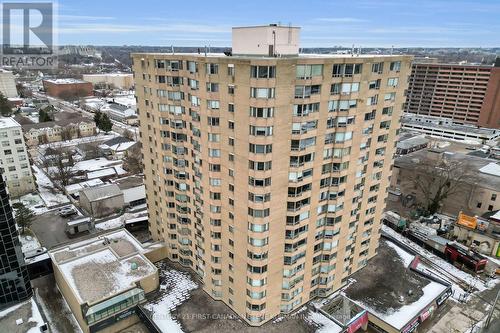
x=325 y=23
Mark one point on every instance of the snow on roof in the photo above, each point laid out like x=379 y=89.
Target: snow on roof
x=103 y=192
x=101 y=173
x=74 y=188
x=120 y=147
x=134 y=194
x=110 y=275
x=95 y=164
x=496 y=216
x=378 y=290
x=491 y=169
x=108 y=259
x=64 y=81
x=8 y=122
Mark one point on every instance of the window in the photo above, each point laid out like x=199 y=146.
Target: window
x=479 y=204
x=378 y=67
x=301 y=110
x=261 y=112
x=374 y=84
x=261 y=130
x=212 y=87
x=193 y=84
x=262 y=92
x=372 y=100
x=307 y=91
x=230 y=89
x=230 y=124
x=230 y=69
x=214 y=152
x=308 y=71
x=260 y=166
x=259 y=182
x=230 y=107
x=347 y=70
x=212 y=137
x=493 y=197
x=395 y=66
x=212 y=68
x=342 y=105
x=392 y=82
x=260 y=149
x=192 y=66
x=344 y=88
x=259 y=197
x=390 y=96
x=263 y=72
x=213 y=121
x=213 y=104
x=490 y=207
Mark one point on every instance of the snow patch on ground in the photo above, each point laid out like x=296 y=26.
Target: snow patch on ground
x=33 y=202
x=5 y=312
x=48 y=192
x=36 y=317
x=177 y=286
x=29 y=243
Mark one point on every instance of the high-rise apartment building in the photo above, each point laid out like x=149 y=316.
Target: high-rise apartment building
x=14 y=160
x=266 y=171
x=468 y=94
x=14 y=280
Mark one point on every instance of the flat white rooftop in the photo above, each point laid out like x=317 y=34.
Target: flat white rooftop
x=8 y=122
x=301 y=55
x=101 y=267
x=64 y=81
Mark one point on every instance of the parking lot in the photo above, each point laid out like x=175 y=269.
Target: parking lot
x=49 y=228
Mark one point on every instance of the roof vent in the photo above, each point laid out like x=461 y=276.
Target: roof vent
x=133 y=266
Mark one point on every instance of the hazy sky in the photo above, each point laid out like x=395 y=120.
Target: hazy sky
x=433 y=23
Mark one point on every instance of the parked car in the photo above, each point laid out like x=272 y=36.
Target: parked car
x=67 y=211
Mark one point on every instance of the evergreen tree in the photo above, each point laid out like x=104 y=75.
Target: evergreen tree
x=5 y=106
x=105 y=123
x=24 y=217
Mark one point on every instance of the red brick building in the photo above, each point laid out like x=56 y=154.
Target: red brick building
x=468 y=94
x=67 y=88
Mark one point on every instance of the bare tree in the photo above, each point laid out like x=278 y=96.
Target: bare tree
x=133 y=161
x=63 y=162
x=128 y=134
x=438 y=179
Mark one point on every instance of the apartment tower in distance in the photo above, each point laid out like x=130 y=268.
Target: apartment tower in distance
x=467 y=94
x=15 y=284
x=266 y=170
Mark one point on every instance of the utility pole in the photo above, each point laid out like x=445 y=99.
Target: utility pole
x=490 y=315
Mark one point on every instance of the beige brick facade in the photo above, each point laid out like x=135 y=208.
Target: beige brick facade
x=268 y=176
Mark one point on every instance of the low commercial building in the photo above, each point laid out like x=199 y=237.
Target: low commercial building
x=103 y=279
x=67 y=88
x=14 y=158
x=445 y=128
x=7 y=84
x=404 y=301
x=111 y=80
x=477 y=195
x=409 y=143
x=479 y=234
x=102 y=201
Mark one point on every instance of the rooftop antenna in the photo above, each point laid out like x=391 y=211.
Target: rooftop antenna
x=209 y=48
x=205 y=50
x=172 y=47
x=352 y=50
x=392 y=49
